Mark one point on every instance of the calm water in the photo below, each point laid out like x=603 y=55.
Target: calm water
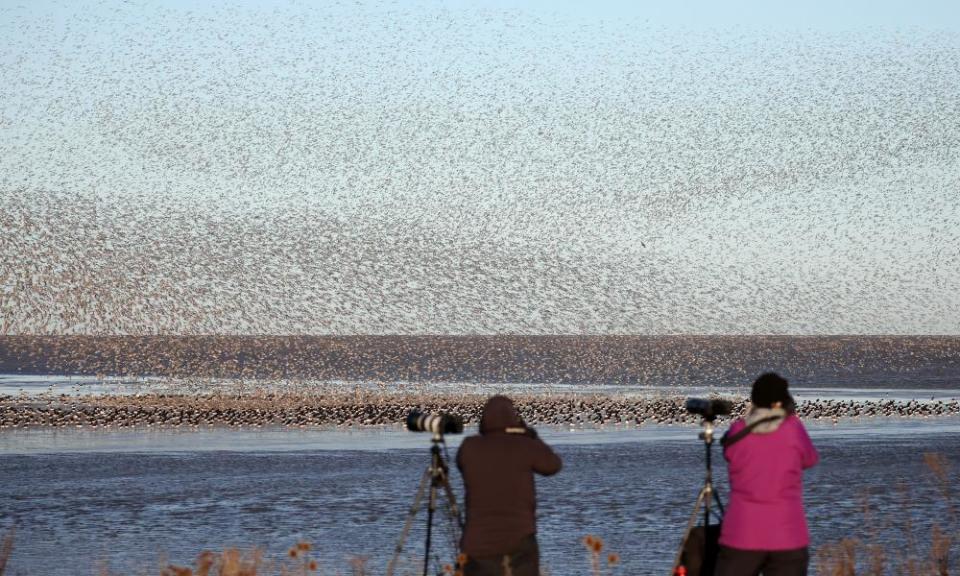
x=84 y=499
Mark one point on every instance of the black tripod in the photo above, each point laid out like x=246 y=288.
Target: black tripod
x=436 y=476
x=708 y=494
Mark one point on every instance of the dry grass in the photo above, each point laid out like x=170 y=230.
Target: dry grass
x=233 y=562
x=230 y=562
x=299 y=561
x=599 y=564
x=919 y=555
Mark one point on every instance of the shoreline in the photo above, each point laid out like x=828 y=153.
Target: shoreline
x=365 y=408
x=40 y=441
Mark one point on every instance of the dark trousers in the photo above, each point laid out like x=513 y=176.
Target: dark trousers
x=736 y=562
x=522 y=561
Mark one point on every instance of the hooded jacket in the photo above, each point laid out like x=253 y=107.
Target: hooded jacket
x=766 y=483
x=497 y=468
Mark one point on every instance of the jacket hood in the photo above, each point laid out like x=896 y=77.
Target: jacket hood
x=757 y=413
x=498 y=415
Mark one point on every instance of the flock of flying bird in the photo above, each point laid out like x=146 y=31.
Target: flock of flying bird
x=351 y=168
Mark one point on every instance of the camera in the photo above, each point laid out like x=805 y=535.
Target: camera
x=440 y=423
x=708 y=408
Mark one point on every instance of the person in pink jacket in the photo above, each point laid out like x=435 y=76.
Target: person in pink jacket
x=764 y=528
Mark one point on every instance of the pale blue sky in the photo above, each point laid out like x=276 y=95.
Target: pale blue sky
x=814 y=14
x=478 y=167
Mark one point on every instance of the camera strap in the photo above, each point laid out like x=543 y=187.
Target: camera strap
x=729 y=440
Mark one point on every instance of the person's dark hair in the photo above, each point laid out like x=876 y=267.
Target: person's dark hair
x=770 y=388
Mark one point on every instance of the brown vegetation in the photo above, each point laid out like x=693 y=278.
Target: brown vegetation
x=6 y=548
x=594 y=546
x=919 y=554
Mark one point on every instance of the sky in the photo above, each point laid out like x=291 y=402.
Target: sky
x=479 y=167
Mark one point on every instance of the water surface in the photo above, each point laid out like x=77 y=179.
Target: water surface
x=80 y=499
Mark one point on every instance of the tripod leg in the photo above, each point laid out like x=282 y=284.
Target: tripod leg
x=453 y=513
x=686 y=534
x=410 y=516
x=431 y=506
x=716 y=498
x=452 y=502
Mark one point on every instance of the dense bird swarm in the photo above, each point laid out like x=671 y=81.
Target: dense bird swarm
x=852 y=361
x=366 y=409
x=348 y=381
x=344 y=168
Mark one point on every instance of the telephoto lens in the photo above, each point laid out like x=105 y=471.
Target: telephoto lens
x=709 y=409
x=440 y=423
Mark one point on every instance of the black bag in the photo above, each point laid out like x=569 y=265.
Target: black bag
x=699 y=555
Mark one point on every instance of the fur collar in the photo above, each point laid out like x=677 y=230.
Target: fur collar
x=756 y=413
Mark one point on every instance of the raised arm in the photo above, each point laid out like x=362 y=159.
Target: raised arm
x=545 y=460
x=808 y=452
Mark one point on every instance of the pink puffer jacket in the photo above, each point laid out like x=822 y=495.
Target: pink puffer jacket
x=766 y=485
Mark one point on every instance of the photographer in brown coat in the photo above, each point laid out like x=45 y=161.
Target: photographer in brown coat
x=498 y=467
